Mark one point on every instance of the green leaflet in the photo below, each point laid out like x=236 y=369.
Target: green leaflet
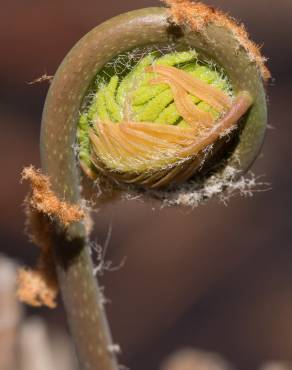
x=132 y=96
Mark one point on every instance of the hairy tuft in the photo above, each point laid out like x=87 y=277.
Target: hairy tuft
x=44 y=200
x=198 y=15
x=39 y=286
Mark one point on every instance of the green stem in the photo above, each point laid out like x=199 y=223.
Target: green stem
x=83 y=301
x=79 y=288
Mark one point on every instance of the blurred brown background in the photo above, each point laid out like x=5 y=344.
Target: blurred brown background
x=217 y=278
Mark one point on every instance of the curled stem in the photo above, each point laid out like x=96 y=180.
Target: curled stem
x=132 y=146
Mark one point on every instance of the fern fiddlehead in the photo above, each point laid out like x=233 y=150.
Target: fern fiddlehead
x=149 y=127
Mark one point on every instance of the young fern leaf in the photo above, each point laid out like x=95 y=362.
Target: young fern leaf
x=191 y=81
x=134 y=147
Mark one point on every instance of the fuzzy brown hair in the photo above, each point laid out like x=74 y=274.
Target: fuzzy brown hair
x=39 y=286
x=198 y=15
